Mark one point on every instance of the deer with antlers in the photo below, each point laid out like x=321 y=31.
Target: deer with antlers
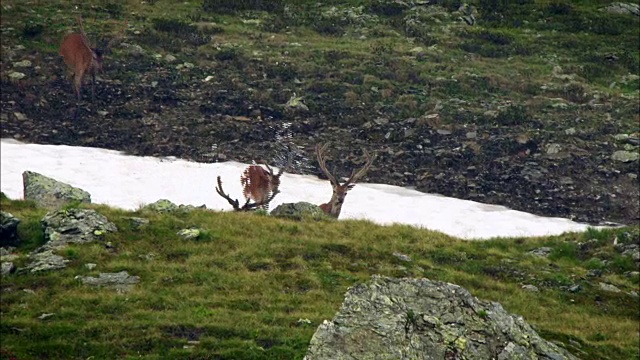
x=334 y=206
x=258 y=184
x=82 y=59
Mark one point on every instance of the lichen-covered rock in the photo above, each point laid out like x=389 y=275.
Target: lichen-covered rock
x=623 y=8
x=298 y=211
x=8 y=229
x=389 y=318
x=120 y=281
x=74 y=226
x=162 y=205
x=50 y=193
x=189 y=234
x=45 y=260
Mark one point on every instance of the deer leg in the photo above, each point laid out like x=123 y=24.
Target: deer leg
x=93 y=86
x=77 y=83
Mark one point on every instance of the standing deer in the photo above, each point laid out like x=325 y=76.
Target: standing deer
x=82 y=59
x=334 y=206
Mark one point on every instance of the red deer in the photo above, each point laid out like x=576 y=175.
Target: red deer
x=258 y=184
x=334 y=206
x=82 y=59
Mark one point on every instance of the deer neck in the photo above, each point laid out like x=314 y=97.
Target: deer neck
x=334 y=206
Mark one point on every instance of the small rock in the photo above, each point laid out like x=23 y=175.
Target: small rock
x=170 y=58
x=20 y=116
x=90 y=266
x=402 y=257
x=471 y=135
x=189 y=234
x=531 y=288
x=443 y=132
x=7 y=268
x=162 y=205
x=543 y=251
x=14 y=75
x=138 y=222
x=23 y=63
x=609 y=287
x=574 y=288
x=594 y=273
x=625 y=156
x=45 y=316
x=553 y=148
x=570 y=131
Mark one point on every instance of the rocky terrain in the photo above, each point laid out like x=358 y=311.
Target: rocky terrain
x=515 y=110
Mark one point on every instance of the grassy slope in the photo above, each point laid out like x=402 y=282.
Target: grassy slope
x=240 y=289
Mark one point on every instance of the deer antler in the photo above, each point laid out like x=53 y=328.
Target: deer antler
x=320 y=154
x=247 y=205
x=356 y=175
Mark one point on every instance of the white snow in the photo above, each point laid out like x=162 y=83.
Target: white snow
x=128 y=182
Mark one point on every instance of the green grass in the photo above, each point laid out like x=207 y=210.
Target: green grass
x=240 y=291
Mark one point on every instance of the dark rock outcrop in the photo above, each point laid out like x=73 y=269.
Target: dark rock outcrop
x=8 y=229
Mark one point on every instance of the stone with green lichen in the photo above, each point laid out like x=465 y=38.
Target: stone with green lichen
x=298 y=211
x=50 y=193
x=74 y=226
x=163 y=206
x=189 y=234
x=389 y=318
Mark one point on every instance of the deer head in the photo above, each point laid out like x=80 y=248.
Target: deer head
x=334 y=206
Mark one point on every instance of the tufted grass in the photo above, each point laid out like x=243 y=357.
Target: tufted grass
x=239 y=292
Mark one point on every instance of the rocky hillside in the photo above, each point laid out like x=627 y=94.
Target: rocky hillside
x=533 y=104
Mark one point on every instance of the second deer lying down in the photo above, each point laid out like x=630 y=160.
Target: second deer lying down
x=258 y=184
x=334 y=206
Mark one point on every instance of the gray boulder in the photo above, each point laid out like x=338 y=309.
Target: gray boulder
x=8 y=229
x=50 y=193
x=298 y=211
x=74 y=226
x=390 y=318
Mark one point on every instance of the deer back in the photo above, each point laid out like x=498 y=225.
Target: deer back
x=257 y=183
x=78 y=56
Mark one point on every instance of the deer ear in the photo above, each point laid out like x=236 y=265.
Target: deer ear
x=350 y=186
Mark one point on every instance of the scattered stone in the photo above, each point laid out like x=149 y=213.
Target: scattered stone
x=15 y=75
x=120 y=281
x=574 y=288
x=298 y=211
x=189 y=234
x=471 y=135
x=389 y=318
x=90 y=266
x=23 y=64
x=625 y=156
x=170 y=58
x=402 y=257
x=542 y=252
x=303 y=322
x=6 y=268
x=45 y=261
x=553 y=149
x=50 y=193
x=20 y=116
x=594 y=273
x=443 y=132
x=609 y=287
x=75 y=226
x=623 y=8
x=138 y=222
x=9 y=229
x=531 y=288
x=570 y=131
x=45 y=316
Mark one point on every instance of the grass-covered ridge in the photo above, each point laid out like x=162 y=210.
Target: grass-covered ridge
x=239 y=291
